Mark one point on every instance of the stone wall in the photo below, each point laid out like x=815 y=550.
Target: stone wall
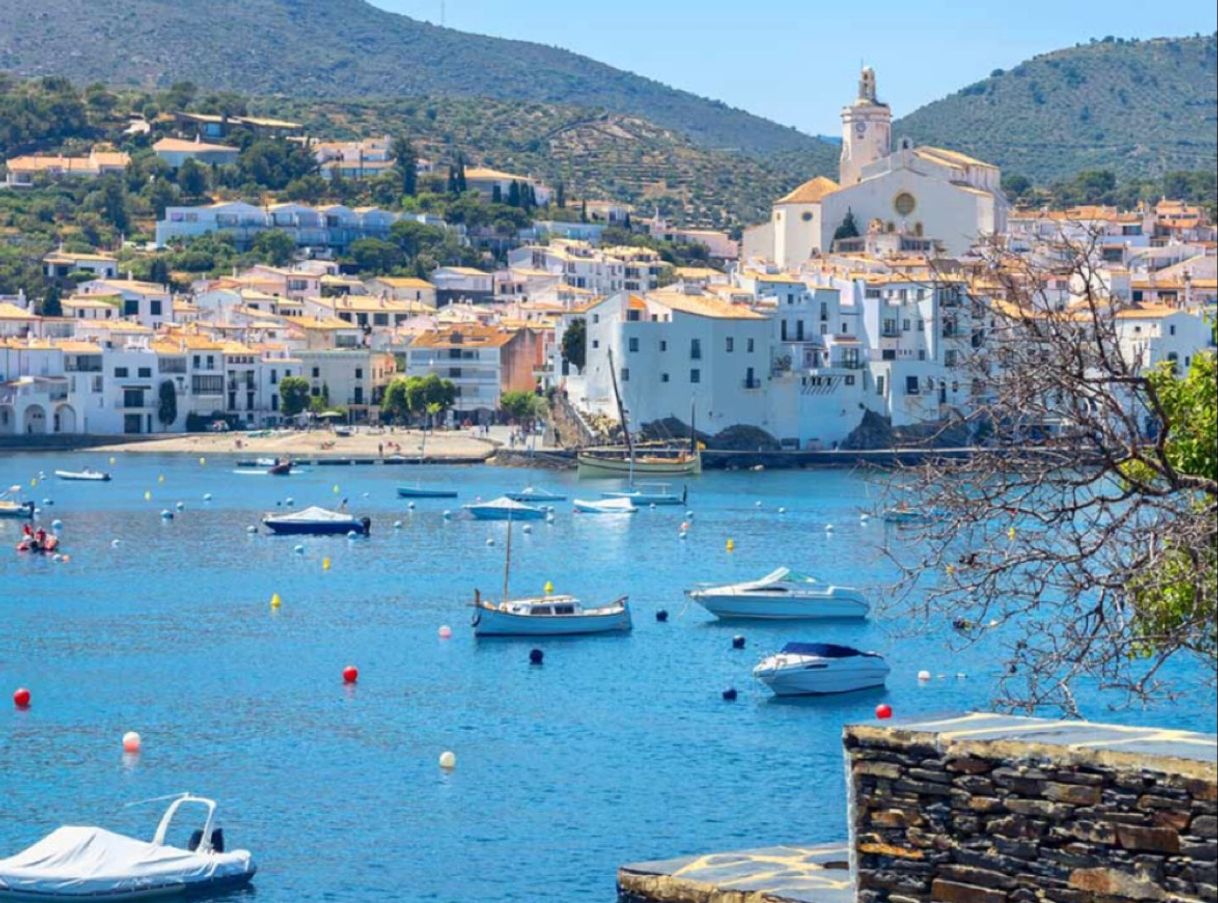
x=989 y=809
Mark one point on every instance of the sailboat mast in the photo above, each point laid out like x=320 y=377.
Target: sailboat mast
x=621 y=411
x=507 y=558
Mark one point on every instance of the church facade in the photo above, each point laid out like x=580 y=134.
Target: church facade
x=928 y=196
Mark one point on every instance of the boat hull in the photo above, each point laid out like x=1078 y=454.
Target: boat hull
x=83 y=477
x=19 y=512
x=606 y=506
x=591 y=464
x=643 y=499
x=824 y=681
x=408 y=492
x=504 y=514
x=158 y=892
x=738 y=606
x=317 y=529
x=493 y=622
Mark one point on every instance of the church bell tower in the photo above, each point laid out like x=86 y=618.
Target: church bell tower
x=866 y=131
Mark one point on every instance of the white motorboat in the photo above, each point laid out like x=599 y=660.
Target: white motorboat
x=903 y=514
x=11 y=508
x=314 y=520
x=504 y=508
x=533 y=494
x=644 y=494
x=85 y=863
x=86 y=475
x=783 y=595
x=548 y=616
x=604 y=506
x=803 y=669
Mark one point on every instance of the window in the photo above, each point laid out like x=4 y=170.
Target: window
x=207 y=385
x=596 y=343
x=663 y=377
x=632 y=344
x=905 y=326
x=211 y=362
x=359 y=372
x=131 y=308
x=596 y=318
x=196 y=362
x=133 y=398
x=316 y=372
x=879 y=385
x=695 y=349
x=730 y=344
x=850 y=379
x=120 y=373
x=748 y=346
x=625 y=374
x=695 y=376
x=949 y=358
x=154 y=308
x=845 y=331
x=145 y=372
x=274 y=377
x=911 y=385
x=663 y=345
x=1171 y=329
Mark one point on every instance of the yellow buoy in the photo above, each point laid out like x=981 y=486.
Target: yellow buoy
x=34 y=481
x=1011 y=533
x=951 y=569
x=548 y=588
x=275 y=600
x=160 y=478
x=325 y=564
x=147 y=495
x=731 y=545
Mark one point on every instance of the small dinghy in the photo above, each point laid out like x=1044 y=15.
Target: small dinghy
x=604 y=506
x=10 y=508
x=503 y=508
x=87 y=475
x=782 y=595
x=316 y=520
x=810 y=669
x=645 y=494
x=423 y=492
x=79 y=863
x=280 y=468
x=533 y=494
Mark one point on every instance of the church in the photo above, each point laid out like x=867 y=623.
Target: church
x=917 y=197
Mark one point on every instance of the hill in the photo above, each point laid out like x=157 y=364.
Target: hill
x=346 y=48
x=1137 y=108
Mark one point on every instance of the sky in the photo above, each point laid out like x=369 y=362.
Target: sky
x=797 y=61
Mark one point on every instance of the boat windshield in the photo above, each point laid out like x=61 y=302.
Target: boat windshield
x=823 y=650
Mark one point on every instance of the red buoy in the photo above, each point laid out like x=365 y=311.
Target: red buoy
x=350 y=674
x=21 y=698
x=883 y=710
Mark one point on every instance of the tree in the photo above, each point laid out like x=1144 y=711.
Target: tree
x=575 y=343
x=406 y=162
x=158 y=271
x=167 y=406
x=460 y=174
x=521 y=407
x=513 y=197
x=394 y=403
x=51 y=305
x=1082 y=536
x=293 y=395
x=274 y=246
x=848 y=228
x=560 y=195
x=192 y=178
x=372 y=255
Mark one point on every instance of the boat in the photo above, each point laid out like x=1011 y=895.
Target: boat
x=10 y=508
x=86 y=475
x=546 y=615
x=280 y=468
x=628 y=460
x=803 y=669
x=504 y=508
x=90 y=863
x=643 y=494
x=533 y=494
x=781 y=595
x=317 y=520
x=604 y=506
x=903 y=514
x=422 y=492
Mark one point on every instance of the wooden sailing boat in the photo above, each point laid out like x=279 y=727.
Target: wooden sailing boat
x=628 y=461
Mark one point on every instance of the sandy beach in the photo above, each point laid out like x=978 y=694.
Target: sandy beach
x=442 y=445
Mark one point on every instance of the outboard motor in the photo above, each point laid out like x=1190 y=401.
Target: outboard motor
x=366 y=522
x=217 y=840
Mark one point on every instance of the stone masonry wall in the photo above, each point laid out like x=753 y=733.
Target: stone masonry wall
x=968 y=815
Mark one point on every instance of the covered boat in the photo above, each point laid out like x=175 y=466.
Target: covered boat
x=784 y=595
x=548 y=616
x=649 y=494
x=533 y=494
x=87 y=475
x=504 y=508
x=604 y=506
x=803 y=669
x=87 y=863
x=318 y=521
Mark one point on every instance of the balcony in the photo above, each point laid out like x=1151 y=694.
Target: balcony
x=890 y=332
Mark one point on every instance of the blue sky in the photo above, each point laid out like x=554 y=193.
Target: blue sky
x=796 y=61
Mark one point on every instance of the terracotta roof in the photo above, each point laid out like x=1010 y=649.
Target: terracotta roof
x=810 y=192
x=178 y=145
x=703 y=306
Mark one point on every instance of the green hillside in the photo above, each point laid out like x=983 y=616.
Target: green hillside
x=345 y=48
x=1137 y=108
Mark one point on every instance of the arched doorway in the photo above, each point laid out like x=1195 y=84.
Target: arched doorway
x=8 y=420
x=35 y=420
x=65 y=419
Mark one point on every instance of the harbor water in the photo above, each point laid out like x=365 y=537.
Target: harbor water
x=617 y=748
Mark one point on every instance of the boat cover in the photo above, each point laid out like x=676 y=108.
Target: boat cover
x=503 y=503
x=313 y=514
x=824 y=650
x=79 y=862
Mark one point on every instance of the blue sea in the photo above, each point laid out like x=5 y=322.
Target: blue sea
x=616 y=749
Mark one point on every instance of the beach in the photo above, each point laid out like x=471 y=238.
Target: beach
x=363 y=443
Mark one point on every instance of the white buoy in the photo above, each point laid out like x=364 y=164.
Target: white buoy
x=365 y=495
x=782 y=510
x=251 y=529
x=115 y=543
x=960 y=675
x=179 y=505
x=351 y=534
x=526 y=529
x=57 y=524
x=652 y=506
x=166 y=514
x=410 y=506
x=207 y=496
x=299 y=549
x=289 y=501
x=689 y=515
x=549 y=517
x=757 y=504
x=448 y=760
x=447 y=514
x=828 y=528
x=47 y=502
x=490 y=541
x=397 y=525
x=923 y=676
x=864 y=517
x=681 y=534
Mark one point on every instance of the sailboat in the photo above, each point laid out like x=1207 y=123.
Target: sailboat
x=546 y=615
x=616 y=461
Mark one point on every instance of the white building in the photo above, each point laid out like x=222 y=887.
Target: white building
x=176 y=151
